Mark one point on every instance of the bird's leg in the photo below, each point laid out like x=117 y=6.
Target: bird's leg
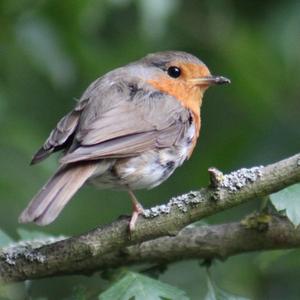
x=137 y=209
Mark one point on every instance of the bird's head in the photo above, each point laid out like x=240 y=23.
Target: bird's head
x=180 y=74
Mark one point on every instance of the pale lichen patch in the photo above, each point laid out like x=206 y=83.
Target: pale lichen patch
x=182 y=202
x=232 y=182
x=11 y=254
x=27 y=249
x=238 y=179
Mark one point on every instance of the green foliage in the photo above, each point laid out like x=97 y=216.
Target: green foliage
x=215 y=293
x=15 y=291
x=27 y=235
x=266 y=260
x=5 y=239
x=51 y=50
x=288 y=201
x=134 y=286
x=78 y=293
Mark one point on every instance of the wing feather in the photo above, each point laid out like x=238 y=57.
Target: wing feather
x=61 y=133
x=111 y=121
x=129 y=128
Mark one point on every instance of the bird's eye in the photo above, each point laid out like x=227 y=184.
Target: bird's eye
x=174 y=72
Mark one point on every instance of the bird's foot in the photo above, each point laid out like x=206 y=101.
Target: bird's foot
x=137 y=210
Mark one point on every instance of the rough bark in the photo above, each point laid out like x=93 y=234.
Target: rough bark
x=79 y=254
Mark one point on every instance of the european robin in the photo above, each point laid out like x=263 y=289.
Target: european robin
x=130 y=130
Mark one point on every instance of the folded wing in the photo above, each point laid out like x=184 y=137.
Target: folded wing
x=135 y=124
x=112 y=121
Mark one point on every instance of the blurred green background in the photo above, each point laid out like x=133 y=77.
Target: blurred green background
x=51 y=50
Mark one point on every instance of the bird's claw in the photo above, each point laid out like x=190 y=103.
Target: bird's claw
x=137 y=210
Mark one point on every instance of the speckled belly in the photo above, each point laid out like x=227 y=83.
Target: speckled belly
x=147 y=170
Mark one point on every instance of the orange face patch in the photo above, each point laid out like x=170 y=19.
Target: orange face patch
x=187 y=92
x=190 y=71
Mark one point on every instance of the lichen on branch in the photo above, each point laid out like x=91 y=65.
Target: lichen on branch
x=78 y=254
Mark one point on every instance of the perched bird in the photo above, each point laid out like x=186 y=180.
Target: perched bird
x=130 y=130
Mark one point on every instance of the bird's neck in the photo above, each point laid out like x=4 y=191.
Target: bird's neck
x=190 y=96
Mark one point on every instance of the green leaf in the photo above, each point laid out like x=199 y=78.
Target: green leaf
x=13 y=291
x=32 y=235
x=267 y=259
x=288 y=200
x=5 y=239
x=134 y=286
x=215 y=293
x=78 y=293
x=197 y=224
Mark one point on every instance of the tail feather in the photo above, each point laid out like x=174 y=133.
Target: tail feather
x=56 y=193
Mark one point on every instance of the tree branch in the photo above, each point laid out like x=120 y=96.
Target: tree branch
x=203 y=242
x=77 y=254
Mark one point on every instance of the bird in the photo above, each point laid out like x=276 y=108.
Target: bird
x=130 y=130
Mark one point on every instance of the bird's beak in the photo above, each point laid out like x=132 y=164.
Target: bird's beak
x=210 y=80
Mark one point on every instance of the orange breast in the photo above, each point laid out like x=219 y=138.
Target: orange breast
x=188 y=95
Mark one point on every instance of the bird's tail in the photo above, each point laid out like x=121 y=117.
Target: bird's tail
x=56 y=193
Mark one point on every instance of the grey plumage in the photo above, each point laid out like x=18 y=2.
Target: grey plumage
x=56 y=193
x=118 y=118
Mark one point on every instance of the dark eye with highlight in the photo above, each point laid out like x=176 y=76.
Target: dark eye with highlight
x=174 y=72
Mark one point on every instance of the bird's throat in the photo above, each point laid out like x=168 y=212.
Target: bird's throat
x=190 y=96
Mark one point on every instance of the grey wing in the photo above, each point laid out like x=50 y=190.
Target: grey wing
x=61 y=136
x=127 y=127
